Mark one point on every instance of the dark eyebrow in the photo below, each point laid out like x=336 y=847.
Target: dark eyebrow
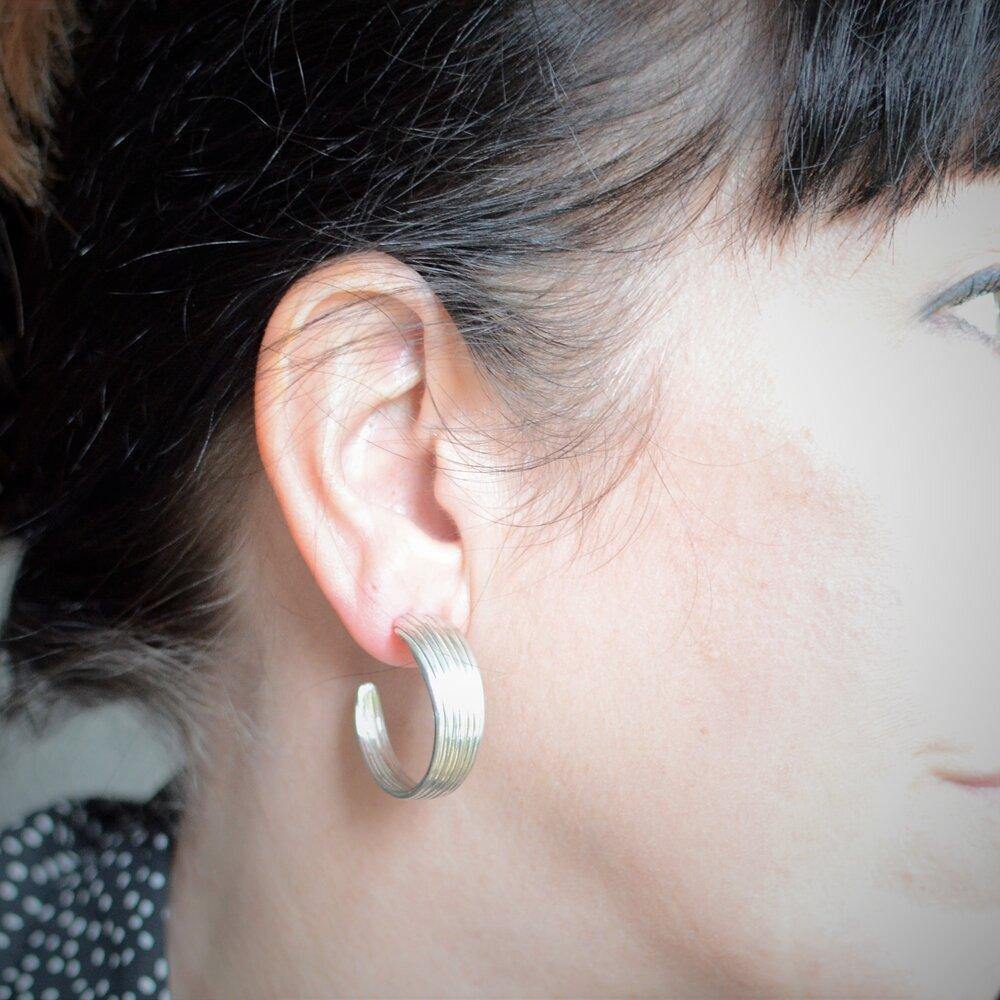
x=983 y=281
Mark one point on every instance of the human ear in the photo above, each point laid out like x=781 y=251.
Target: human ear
x=348 y=424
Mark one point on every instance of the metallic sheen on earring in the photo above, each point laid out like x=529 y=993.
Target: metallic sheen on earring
x=456 y=689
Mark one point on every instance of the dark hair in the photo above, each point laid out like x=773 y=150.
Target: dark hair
x=506 y=149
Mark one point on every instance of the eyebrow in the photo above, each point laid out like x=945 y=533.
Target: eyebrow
x=986 y=280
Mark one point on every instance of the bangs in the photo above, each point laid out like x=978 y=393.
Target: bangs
x=885 y=101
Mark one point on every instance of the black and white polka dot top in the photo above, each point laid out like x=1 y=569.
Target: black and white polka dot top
x=83 y=899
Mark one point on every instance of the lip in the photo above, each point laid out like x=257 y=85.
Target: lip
x=970 y=780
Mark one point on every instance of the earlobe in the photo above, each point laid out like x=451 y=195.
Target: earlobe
x=341 y=406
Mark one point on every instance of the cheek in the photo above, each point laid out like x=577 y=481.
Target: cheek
x=751 y=669
x=840 y=489
x=784 y=596
x=912 y=417
x=914 y=420
x=709 y=645
x=748 y=646
x=732 y=684
x=786 y=709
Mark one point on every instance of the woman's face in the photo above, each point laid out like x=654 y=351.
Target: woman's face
x=738 y=703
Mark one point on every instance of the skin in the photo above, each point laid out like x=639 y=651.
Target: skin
x=717 y=714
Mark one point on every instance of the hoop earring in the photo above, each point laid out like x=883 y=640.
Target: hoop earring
x=456 y=689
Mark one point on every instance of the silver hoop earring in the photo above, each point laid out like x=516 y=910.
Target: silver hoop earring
x=456 y=689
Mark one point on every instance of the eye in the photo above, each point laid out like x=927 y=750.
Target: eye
x=973 y=303
x=981 y=311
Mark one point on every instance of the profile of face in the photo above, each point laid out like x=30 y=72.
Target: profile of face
x=741 y=734
x=715 y=504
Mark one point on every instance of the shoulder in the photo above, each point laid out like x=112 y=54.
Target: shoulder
x=83 y=887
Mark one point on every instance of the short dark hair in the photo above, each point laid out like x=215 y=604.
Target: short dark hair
x=214 y=152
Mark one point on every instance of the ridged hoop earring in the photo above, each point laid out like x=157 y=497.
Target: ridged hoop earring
x=456 y=688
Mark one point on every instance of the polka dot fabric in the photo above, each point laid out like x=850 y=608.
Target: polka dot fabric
x=83 y=900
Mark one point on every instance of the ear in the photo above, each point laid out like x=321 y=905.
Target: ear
x=351 y=368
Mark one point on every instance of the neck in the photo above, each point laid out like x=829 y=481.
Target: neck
x=296 y=875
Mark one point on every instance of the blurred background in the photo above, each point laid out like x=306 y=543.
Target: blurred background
x=106 y=752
